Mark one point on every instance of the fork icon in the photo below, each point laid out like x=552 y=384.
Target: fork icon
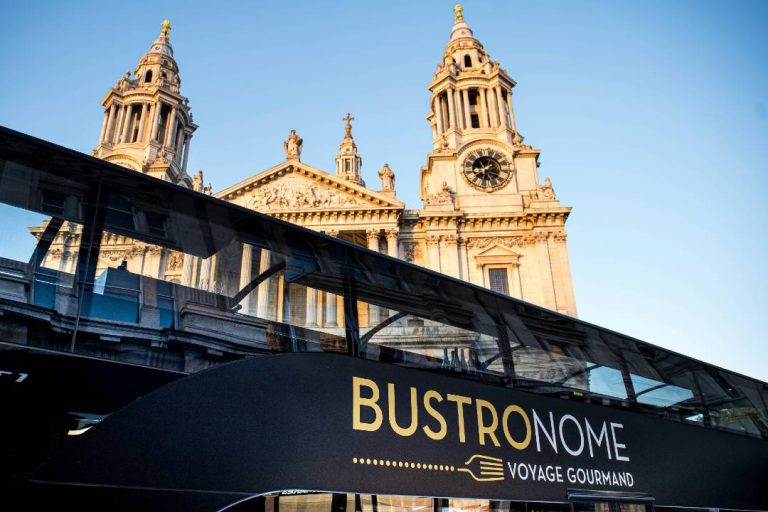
x=488 y=469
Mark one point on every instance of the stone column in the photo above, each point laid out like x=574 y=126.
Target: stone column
x=104 y=126
x=372 y=236
x=439 y=113
x=311 y=307
x=204 y=281
x=187 y=268
x=483 y=109
x=186 y=152
x=109 y=136
x=150 y=120
x=153 y=262
x=170 y=125
x=118 y=124
x=457 y=109
x=516 y=287
x=462 y=249
x=126 y=123
x=330 y=299
x=330 y=310
x=392 y=235
x=245 y=276
x=566 y=301
x=142 y=122
x=511 y=112
x=178 y=143
x=467 y=118
x=450 y=255
x=493 y=109
x=262 y=292
x=545 y=272
x=451 y=109
x=433 y=252
x=502 y=112
x=374 y=312
x=156 y=118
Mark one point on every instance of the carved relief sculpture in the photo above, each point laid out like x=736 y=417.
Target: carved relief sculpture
x=444 y=197
x=412 y=251
x=298 y=193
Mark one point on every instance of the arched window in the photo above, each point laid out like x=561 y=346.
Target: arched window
x=148 y=76
x=467 y=61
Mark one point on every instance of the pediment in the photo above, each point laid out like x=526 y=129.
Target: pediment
x=497 y=254
x=293 y=186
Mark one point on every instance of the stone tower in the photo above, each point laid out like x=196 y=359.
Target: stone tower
x=348 y=162
x=487 y=218
x=147 y=122
x=471 y=94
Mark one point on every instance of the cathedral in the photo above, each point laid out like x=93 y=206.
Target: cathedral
x=487 y=216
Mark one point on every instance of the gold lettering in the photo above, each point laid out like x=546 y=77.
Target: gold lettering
x=461 y=401
x=358 y=401
x=518 y=445
x=405 y=432
x=490 y=430
x=440 y=434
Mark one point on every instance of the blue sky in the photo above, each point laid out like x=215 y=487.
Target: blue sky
x=652 y=118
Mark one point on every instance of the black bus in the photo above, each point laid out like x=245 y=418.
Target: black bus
x=161 y=349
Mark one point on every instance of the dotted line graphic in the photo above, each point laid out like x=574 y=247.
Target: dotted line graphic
x=401 y=464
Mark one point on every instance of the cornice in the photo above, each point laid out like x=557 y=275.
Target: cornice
x=469 y=146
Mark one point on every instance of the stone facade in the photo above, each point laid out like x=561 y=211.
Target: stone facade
x=486 y=218
x=484 y=207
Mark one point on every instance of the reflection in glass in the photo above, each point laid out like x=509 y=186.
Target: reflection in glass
x=118 y=266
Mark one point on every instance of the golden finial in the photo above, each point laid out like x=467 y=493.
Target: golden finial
x=459 y=14
x=166 y=28
x=348 y=126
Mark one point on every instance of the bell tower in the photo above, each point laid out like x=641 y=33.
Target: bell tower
x=471 y=94
x=487 y=218
x=477 y=150
x=348 y=162
x=147 y=122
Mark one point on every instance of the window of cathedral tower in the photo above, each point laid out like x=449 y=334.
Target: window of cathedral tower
x=164 y=114
x=148 y=76
x=475 y=121
x=473 y=97
x=135 y=118
x=467 y=61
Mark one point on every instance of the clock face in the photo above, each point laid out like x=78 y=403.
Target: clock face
x=487 y=169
